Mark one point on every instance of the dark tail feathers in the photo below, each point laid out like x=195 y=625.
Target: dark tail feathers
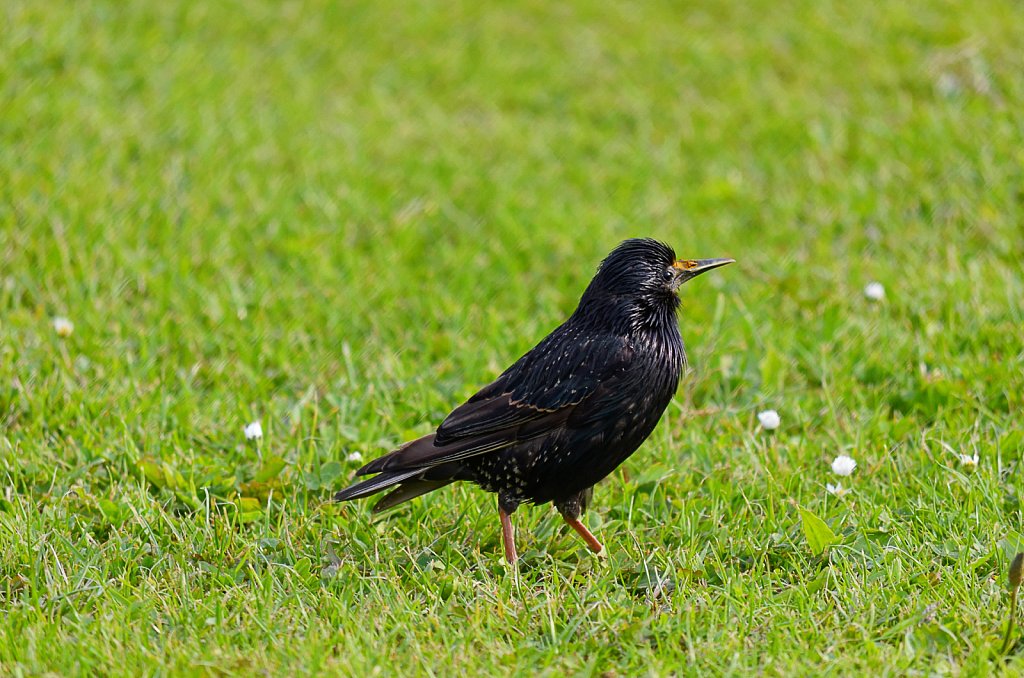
x=409 y=487
x=375 y=485
x=411 y=482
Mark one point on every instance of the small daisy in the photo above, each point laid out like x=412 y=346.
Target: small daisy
x=354 y=456
x=253 y=431
x=769 y=420
x=837 y=489
x=843 y=465
x=968 y=461
x=947 y=84
x=874 y=291
x=63 y=327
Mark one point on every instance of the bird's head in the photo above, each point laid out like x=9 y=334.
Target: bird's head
x=642 y=274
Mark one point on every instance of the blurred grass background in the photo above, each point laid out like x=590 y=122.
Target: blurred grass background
x=340 y=219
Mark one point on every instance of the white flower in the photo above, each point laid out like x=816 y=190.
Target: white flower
x=769 y=420
x=253 y=431
x=843 y=465
x=837 y=489
x=874 y=291
x=968 y=461
x=354 y=456
x=947 y=84
x=63 y=327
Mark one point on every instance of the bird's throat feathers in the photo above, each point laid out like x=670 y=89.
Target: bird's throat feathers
x=650 y=325
x=631 y=315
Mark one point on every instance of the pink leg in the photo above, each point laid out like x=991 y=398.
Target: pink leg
x=508 y=536
x=587 y=535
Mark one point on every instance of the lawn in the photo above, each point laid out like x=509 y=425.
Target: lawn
x=341 y=219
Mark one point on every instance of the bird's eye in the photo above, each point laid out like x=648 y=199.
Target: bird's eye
x=668 y=274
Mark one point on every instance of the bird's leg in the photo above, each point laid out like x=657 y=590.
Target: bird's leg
x=592 y=543
x=572 y=508
x=508 y=533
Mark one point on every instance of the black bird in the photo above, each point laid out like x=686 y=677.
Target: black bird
x=572 y=409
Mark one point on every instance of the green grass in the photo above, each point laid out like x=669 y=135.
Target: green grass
x=340 y=219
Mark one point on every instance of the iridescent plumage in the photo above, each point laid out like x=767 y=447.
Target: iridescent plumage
x=569 y=411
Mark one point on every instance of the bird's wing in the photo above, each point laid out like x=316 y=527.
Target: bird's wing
x=557 y=374
x=534 y=397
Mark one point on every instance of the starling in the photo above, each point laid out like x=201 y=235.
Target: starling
x=567 y=413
